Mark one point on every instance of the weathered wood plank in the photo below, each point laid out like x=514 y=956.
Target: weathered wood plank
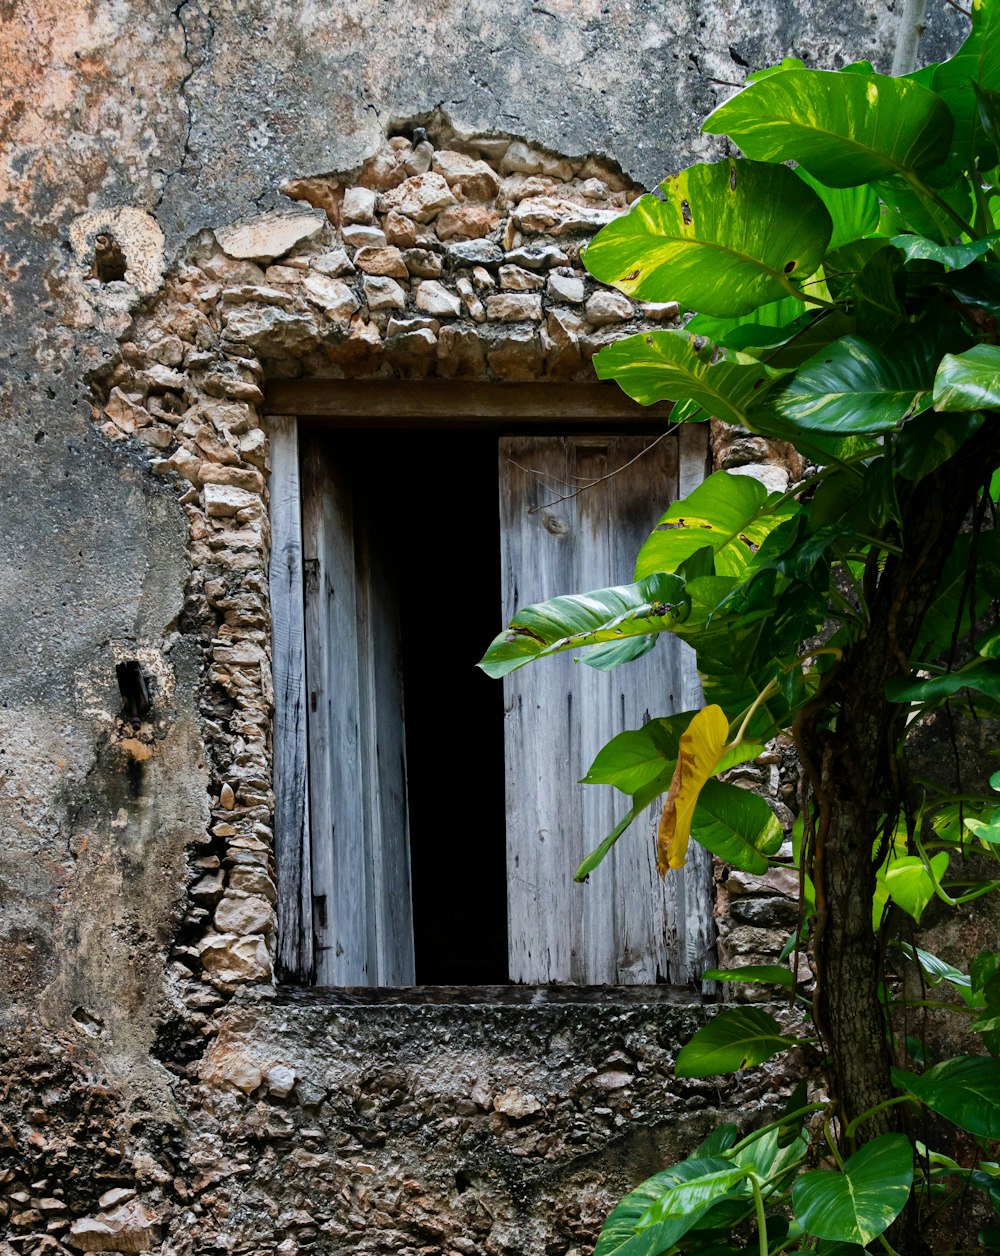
x=295 y=960
x=460 y=403
x=383 y=748
x=625 y=925
x=335 y=755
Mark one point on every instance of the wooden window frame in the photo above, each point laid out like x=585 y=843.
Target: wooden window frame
x=543 y=408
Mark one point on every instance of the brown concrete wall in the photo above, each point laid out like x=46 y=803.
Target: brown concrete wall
x=164 y=122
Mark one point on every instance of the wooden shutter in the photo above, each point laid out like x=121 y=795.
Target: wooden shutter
x=360 y=861
x=626 y=925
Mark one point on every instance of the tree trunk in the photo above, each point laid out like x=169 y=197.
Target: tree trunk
x=853 y=774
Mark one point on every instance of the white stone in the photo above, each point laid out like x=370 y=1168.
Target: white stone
x=420 y=198
x=434 y=298
x=551 y=215
x=657 y=310
x=773 y=477
x=280 y=1080
x=512 y=307
x=359 y=236
x=359 y=205
x=231 y=959
x=252 y=914
x=566 y=288
x=334 y=263
x=520 y=159
x=606 y=307
x=383 y=294
x=126 y=1229
x=222 y=500
x=517 y=279
x=332 y=295
x=265 y=238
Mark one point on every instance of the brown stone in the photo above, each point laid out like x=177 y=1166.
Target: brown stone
x=269 y=236
x=606 y=307
x=383 y=293
x=552 y=215
x=130 y=1228
x=519 y=356
x=384 y=261
x=400 y=230
x=359 y=205
x=239 y=477
x=522 y=159
x=460 y=353
x=478 y=181
x=467 y=222
x=434 y=298
x=423 y=263
x=321 y=193
x=516 y=279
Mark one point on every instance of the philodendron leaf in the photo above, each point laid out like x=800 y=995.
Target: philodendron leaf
x=975 y=65
x=736 y=825
x=641 y=799
x=577 y=620
x=860 y=1203
x=909 y=884
x=852 y=387
x=633 y=758
x=677 y=366
x=763 y=974
x=957 y=256
x=735 y=1039
x=730 y=514
x=965 y=1090
x=982 y=675
x=699 y=750
x=845 y=129
x=627 y=1232
x=726 y=238
x=969 y=381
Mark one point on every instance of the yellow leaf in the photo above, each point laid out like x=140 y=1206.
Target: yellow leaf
x=701 y=745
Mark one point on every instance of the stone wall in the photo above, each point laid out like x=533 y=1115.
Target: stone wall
x=154 y=1091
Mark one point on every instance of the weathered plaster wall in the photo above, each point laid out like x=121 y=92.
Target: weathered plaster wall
x=170 y=120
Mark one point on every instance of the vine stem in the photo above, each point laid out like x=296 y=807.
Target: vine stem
x=775 y=1125
x=758 y=1204
x=869 y=1112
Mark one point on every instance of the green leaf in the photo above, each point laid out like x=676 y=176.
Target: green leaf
x=937 y=970
x=982 y=675
x=845 y=129
x=628 y=1232
x=764 y=974
x=576 y=620
x=725 y=238
x=909 y=884
x=635 y=757
x=854 y=211
x=975 y=65
x=730 y=514
x=677 y=366
x=852 y=387
x=860 y=1203
x=733 y=1040
x=931 y=439
x=969 y=381
x=964 y=1090
x=641 y=799
x=604 y=658
x=957 y=256
x=878 y=294
x=736 y=825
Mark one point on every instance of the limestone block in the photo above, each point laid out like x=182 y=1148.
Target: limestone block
x=460 y=353
x=230 y=959
x=657 y=311
x=381 y=261
x=223 y=500
x=332 y=295
x=551 y=215
x=136 y=232
x=518 y=356
x=228 y=1062
x=469 y=222
x=421 y=198
x=423 y=263
x=538 y=256
x=514 y=1102
x=517 y=279
x=565 y=288
x=383 y=293
x=265 y=238
x=129 y=1228
x=773 y=477
x=359 y=205
x=253 y=914
x=434 y=298
x=280 y=1080
x=522 y=159
x=359 y=236
x=511 y=307
x=334 y=263
x=478 y=181
x=238 y=477
x=400 y=230
x=475 y=253
x=606 y=307
x=276 y=332
x=252 y=881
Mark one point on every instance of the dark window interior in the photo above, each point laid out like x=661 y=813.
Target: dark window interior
x=431 y=498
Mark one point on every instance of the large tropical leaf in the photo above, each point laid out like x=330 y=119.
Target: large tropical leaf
x=982 y=675
x=845 y=129
x=975 y=65
x=909 y=884
x=679 y=366
x=725 y=238
x=577 y=620
x=636 y=756
x=736 y=825
x=965 y=1090
x=860 y=1203
x=957 y=256
x=650 y=1219
x=730 y=514
x=764 y=974
x=854 y=210
x=641 y=799
x=852 y=387
x=969 y=381
x=734 y=1039
x=699 y=749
